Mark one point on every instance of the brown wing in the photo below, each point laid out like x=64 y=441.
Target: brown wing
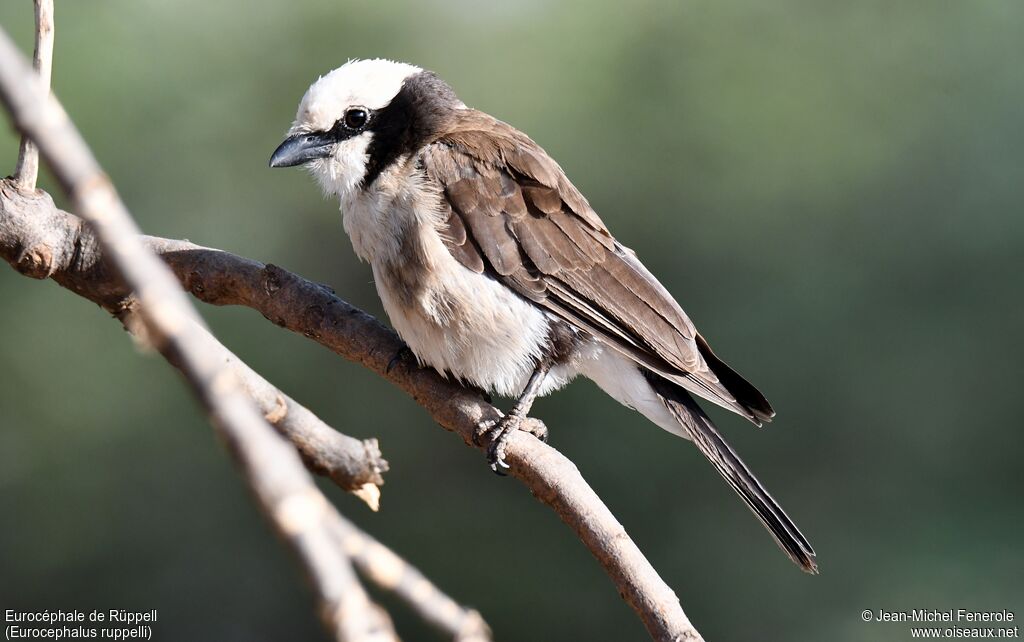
x=511 y=212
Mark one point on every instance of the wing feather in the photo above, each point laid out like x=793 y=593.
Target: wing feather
x=459 y=243
x=515 y=215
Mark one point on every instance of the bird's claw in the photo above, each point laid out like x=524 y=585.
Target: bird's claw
x=498 y=433
x=496 y=455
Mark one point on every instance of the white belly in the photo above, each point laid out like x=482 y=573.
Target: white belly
x=466 y=324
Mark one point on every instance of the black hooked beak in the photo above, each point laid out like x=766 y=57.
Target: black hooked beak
x=302 y=148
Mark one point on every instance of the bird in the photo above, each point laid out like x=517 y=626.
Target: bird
x=496 y=271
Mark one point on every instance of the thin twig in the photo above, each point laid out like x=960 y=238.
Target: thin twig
x=27 y=170
x=354 y=465
x=390 y=572
x=284 y=489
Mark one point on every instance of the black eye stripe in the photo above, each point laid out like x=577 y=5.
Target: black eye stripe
x=353 y=122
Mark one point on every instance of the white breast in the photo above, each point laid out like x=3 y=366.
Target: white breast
x=453 y=319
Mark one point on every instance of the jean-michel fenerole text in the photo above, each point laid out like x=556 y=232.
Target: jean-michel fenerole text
x=948 y=615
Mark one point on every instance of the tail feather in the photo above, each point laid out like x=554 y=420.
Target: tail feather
x=705 y=436
x=747 y=396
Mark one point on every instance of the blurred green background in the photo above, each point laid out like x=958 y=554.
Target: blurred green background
x=832 y=190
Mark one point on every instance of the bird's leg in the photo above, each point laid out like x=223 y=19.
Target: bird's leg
x=516 y=419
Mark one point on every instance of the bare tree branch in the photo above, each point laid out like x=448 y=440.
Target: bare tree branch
x=284 y=489
x=391 y=573
x=288 y=300
x=313 y=311
x=40 y=241
x=373 y=560
x=27 y=170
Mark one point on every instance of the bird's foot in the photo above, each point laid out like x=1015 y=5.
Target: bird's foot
x=498 y=433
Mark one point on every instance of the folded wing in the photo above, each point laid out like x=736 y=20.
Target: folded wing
x=511 y=212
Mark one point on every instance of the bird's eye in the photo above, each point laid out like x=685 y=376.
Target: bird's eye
x=356 y=118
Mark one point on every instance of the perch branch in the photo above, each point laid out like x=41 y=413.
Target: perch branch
x=283 y=488
x=27 y=170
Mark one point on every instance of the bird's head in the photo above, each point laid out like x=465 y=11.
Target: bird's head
x=360 y=119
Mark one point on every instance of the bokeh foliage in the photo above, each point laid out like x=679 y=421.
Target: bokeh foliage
x=832 y=190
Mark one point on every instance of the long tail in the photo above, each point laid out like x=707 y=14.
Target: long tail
x=705 y=436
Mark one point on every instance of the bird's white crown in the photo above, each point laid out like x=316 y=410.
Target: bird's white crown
x=363 y=83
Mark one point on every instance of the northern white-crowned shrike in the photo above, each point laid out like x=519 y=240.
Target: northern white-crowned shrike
x=494 y=268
